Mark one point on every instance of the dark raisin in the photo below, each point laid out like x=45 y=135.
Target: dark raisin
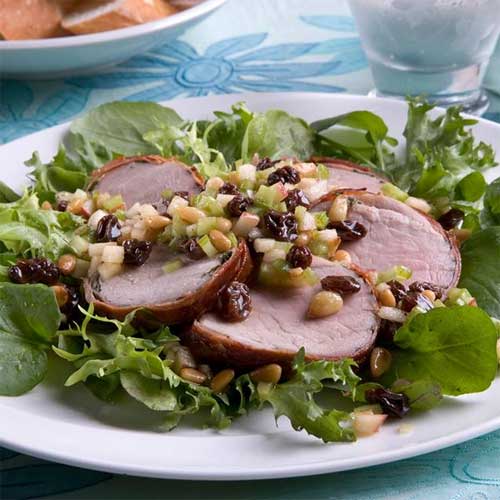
x=348 y=230
x=420 y=286
x=192 y=249
x=295 y=198
x=344 y=285
x=413 y=299
x=299 y=257
x=266 y=163
x=282 y=226
x=62 y=205
x=108 y=229
x=34 y=271
x=237 y=205
x=398 y=289
x=286 y=175
x=228 y=188
x=182 y=194
x=136 y=252
x=451 y=219
x=234 y=302
x=386 y=332
x=71 y=305
x=392 y=403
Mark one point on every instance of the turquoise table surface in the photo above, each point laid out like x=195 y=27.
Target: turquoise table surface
x=249 y=45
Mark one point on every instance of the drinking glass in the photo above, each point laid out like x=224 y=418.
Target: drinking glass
x=436 y=48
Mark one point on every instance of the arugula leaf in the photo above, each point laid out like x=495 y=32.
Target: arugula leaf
x=25 y=229
x=454 y=347
x=360 y=135
x=491 y=212
x=275 y=133
x=422 y=394
x=119 y=126
x=481 y=270
x=7 y=195
x=61 y=174
x=29 y=318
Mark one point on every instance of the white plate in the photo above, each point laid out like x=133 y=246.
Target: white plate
x=57 y=57
x=70 y=426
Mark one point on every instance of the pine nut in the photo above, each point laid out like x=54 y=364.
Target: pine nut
x=192 y=375
x=222 y=380
x=343 y=256
x=332 y=247
x=221 y=242
x=214 y=184
x=66 y=264
x=295 y=272
x=190 y=215
x=156 y=222
x=429 y=294
x=387 y=298
x=380 y=361
x=302 y=239
x=418 y=204
x=75 y=206
x=339 y=208
x=324 y=304
x=46 y=205
x=224 y=225
x=61 y=294
x=270 y=374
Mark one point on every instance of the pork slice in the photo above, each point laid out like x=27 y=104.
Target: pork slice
x=174 y=297
x=277 y=327
x=143 y=179
x=400 y=235
x=345 y=174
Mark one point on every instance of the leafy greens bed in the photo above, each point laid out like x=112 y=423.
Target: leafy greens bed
x=446 y=351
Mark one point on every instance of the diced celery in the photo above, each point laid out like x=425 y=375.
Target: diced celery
x=208 y=205
x=323 y=172
x=321 y=219
x=178 y=227
x=394 y=192
x=192 y=230
x=458 y=297
x=172 y=266
x=168 y=194
x=120 y=214
x=275 y=274
x=269 y=196
x=398 y=273
x=318 y=247
x=207 y=246
x=205 y=225
x=113 y=203
x=232 y=237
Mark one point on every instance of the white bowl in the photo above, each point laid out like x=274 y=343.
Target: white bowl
x=56 y=57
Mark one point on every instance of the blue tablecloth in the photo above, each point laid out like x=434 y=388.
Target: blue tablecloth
x=249 y=45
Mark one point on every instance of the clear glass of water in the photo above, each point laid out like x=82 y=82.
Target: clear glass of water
x=436 y=48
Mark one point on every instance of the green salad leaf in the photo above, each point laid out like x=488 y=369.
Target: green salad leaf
x=481 y=269
x=361 y=136
x=7 y=195
x=119 y=126
x=275 y=133
x=27 y=230
x=454 y=347
x=491 y=212
x=29 y=318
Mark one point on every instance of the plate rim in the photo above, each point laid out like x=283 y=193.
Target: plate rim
x=172 y=21
x=243 y=473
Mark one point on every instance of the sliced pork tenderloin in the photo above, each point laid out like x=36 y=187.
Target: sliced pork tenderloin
x=400 y=235
x=277 y=327
x=172 y=297
x=143 y=179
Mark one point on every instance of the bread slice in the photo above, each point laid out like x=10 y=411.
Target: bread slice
x=96 y=16
x=30 y=19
